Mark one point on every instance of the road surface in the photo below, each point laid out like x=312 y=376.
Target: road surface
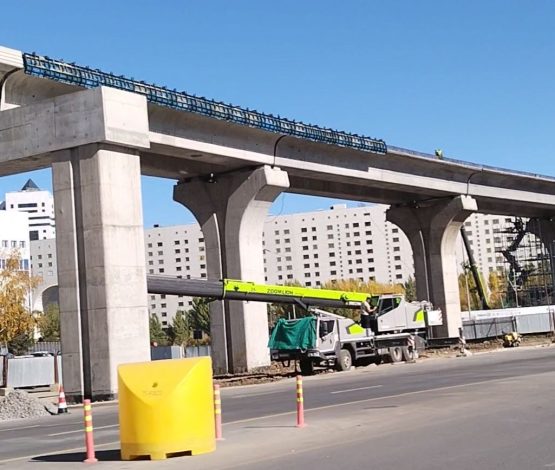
x=486 y=411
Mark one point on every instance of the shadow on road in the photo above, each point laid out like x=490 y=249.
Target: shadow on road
x=101 y=455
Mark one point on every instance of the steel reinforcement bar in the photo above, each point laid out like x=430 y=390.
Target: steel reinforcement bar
x=45 y=67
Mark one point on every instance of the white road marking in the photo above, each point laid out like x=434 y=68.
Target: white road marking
x=17 y=429
x=249 y=395
x=81 y=430
x=364 y=400
x=356 y=389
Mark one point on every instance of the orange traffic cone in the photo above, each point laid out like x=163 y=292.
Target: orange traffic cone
x=62 y=405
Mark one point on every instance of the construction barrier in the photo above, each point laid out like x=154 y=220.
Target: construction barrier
x=16 y=372
x=217 y=412
x=166 y=408
x=300 y=402
x=89 y=440
x=62 y=405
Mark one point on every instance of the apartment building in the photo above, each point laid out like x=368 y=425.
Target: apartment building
x=311 y=248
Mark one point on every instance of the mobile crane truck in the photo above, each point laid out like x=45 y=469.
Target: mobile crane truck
x=390 y=327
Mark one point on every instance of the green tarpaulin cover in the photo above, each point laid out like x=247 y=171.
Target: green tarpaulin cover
x=294 y=334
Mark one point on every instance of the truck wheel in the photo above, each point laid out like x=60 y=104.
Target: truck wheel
x=344 y=361
x=307 y=367
x=408 y=355
x=396 y=354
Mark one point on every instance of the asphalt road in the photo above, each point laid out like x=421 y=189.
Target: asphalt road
x=451 y=400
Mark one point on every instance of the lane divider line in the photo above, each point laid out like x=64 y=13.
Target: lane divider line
x=18 y=429
x=80 y=430
x=355 y=389
x=364 y=400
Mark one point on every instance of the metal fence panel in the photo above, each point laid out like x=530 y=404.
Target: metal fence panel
x=197 y=351
x=487 y=328
x=166 y=352
x=31 y=371
x=53 y=347
x=539 y=323
x=525 y=324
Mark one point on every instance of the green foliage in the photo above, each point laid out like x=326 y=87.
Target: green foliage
x=199 y=315
x=410 y=290
x=49 y=323
x=180 y=332
x=20 y=344
x=497 y=283
x=468 y=292
x=157 y=334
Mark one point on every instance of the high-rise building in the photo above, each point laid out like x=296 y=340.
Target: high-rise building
x=39 y=204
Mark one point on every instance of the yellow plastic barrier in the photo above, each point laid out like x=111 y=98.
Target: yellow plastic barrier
x=166 y=408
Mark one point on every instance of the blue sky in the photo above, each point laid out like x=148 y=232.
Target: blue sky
x=475 y=78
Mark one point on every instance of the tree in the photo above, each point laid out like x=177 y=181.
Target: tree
x=49 y=323
x=16 y=320
x=181 y=329
x=410 y=290
x=497 y=282
x=355 y=285
x=157 y=334
x=21 y=343
x=199 y=315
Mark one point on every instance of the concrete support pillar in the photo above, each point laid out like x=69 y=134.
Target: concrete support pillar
x=101 y=267
x=432 y=229
x=231 y=210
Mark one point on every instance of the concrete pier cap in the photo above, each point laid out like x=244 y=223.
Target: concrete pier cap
x=432 y=228
x=231 y=209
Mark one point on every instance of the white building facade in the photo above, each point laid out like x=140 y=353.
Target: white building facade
x=14 y=238
x=38 y=204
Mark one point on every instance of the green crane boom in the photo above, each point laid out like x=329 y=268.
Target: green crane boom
x=231 y=289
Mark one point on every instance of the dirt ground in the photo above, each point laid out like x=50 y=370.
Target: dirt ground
x=277 y=371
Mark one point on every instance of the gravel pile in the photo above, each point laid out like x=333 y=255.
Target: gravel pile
x=19 y=404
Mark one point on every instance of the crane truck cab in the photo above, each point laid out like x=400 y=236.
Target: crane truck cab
x=392 y=313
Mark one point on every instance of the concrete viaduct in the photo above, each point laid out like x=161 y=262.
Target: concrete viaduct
x=99 y=132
